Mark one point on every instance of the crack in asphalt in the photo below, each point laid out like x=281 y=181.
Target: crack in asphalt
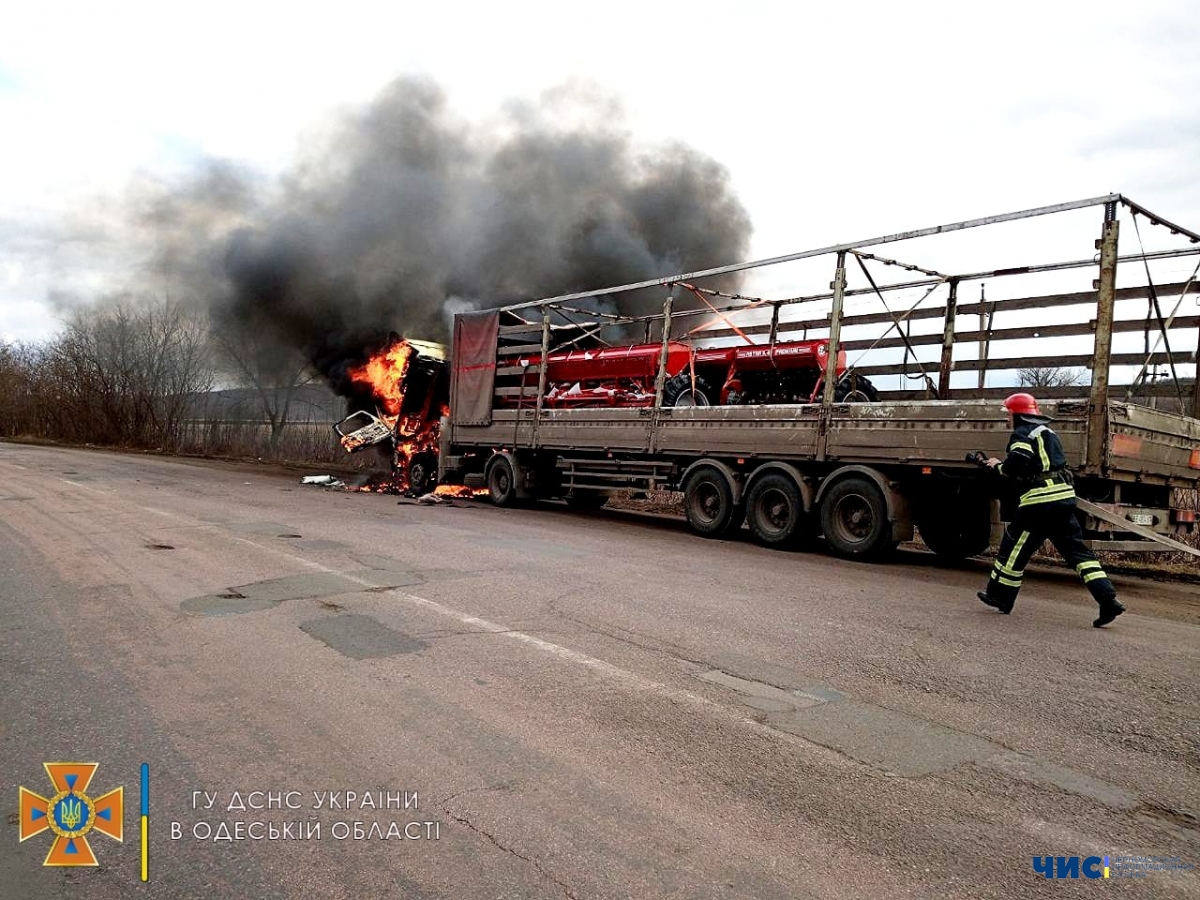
x=592 y=628
x=1169 y=814
x=495 y=842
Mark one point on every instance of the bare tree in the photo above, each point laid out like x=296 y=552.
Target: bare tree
x=182 y=366
x=1051 y=377
x=274 y=372
x=20 y=389
x=122 y=372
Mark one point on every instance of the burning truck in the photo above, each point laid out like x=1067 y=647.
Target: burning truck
x=409 y=382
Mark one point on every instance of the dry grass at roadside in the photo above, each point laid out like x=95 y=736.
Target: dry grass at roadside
x=661 y=502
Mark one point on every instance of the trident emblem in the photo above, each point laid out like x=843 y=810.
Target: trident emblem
x=71 y=812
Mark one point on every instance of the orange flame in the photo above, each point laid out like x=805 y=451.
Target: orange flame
x=414 y=430
x=384 y=374
x=458 y=490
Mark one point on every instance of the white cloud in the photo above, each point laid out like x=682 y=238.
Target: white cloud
x=836 y=122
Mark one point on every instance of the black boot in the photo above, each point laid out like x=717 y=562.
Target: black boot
x=1110 y=608
x=1001 y=605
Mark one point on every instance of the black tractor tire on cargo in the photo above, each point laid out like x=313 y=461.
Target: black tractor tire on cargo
x=854 y=519
x=586 y=500
x=956 y=524
x=855 y=388
x=775 y=511
x=422 y=474
x=501 y=481
x=708 y=504
x=679 y=391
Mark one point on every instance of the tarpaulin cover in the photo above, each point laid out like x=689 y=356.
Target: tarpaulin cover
x=473 y=377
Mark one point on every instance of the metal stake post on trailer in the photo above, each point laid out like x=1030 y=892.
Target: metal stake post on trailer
x=1196 y=382
x=835 y=325
x=947 y=361
x=986 y=317
x=1102 y=353
x=542 y=365
x=661 y=378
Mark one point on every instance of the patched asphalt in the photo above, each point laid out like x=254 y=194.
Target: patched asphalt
x=584 y=705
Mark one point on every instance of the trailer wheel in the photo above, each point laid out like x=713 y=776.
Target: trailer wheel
x=708 y=502
x=679 y=391
x=854 y=518
x=775 y=510
x=958 y=527
x=501 y=481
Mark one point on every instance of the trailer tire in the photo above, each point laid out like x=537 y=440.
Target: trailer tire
x=501 y=480
x=709 y=505
x=775 y=511
x=855 y=388
x=965 y=532
x=854 y=519
x=678 y=391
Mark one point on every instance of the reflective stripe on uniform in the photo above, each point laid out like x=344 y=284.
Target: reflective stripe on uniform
x=1011 y=562
x=1021 y=445
x=1007 y=582
x=1045 y=498
x=1036 y=434
x=1048 y=494
x=1005 y=570
x=1054 y=487
x=1041 y=443
x=1089 y=570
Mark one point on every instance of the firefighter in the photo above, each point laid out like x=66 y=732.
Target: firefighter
x=1037 y=465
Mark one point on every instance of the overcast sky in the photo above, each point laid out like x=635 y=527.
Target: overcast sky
x=835 y=121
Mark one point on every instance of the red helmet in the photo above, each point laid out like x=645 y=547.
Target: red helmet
x=1022 y=404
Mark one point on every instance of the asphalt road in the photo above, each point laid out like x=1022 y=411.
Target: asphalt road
x=577 y=705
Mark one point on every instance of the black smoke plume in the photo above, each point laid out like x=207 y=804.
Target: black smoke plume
x=405 y=212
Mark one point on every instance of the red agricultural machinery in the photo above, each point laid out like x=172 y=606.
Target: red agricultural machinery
x=788 y=372
x=409 y=383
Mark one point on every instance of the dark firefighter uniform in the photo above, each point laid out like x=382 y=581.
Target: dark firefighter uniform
x=1037 y=465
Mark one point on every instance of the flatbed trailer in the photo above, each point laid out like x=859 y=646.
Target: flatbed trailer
x=864 y=475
